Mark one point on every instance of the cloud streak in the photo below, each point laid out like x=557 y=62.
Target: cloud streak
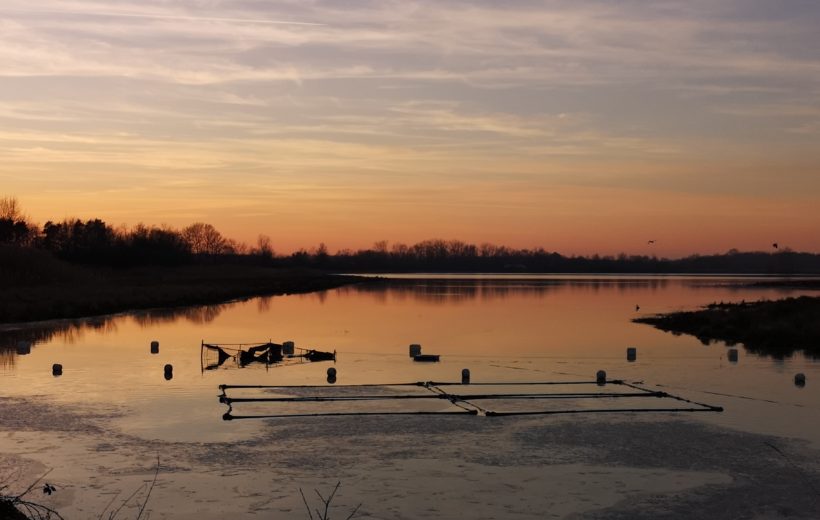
x=703 y=99
x=153 y=16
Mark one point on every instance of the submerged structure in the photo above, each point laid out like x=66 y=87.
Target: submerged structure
x=215 y=355
x=489 y=399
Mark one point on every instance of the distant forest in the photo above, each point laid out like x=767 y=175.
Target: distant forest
x=96 y=243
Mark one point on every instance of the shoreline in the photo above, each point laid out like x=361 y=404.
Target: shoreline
x=109 y=293
x=777 y=328
x=94 y=294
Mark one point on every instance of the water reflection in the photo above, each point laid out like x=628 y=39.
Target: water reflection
x=540 y=314
x=7 y=358
x=442 y=289
x=781 y=351
x=453 y=291
x=73 y=331
x=197 y=315
x=263 y=304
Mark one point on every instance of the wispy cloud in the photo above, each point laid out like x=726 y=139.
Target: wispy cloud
x=152 y=16
x=307 y=99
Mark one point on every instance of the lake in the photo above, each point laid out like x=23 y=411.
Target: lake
x=502 y=328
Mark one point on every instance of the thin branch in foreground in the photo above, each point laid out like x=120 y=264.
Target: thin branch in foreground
x=28 y=508
x=326 y=502
x=114 y=513
x=150 y=488
x=307 y=507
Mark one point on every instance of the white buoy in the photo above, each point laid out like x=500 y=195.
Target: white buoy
x=288 y=347
x=631 y=354
x=23 y=348
x=415 y=350
x=56 y=369
x=155 y=347
x=732 y=355
x=800 y=379
x=600 y=377
x=465 y=376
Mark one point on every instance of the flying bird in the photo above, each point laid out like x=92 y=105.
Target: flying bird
x=637 y=308
x=650 y=241
x=48 y=489
x=774 y=245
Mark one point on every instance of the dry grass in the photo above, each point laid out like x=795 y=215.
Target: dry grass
x=38 y=287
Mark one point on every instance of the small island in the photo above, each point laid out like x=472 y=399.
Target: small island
x=775 y=328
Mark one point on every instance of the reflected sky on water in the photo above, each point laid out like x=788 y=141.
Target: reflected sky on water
x=503 y=328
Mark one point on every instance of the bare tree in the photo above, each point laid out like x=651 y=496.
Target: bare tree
x=14 y=226
x=10 y=209
x=380 y=246
x=205 y=239
x=264 y=247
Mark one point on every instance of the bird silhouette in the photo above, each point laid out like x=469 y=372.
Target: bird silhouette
x=48 y=489
x=774 y=245
x=637 y=307
x=650 y=241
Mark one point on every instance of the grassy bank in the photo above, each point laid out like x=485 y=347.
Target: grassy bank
x=777 y=328
x=38 y=287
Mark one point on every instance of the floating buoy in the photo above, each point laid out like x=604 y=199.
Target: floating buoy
x=631 y=354
x=800 y=380
x=600 y=377
x=169 y=372
x=331 y=375
x=56 y=369
x=465 y=376
x=155 y=347
x=415 y=350
x=23 y=348
x=732 y=355
x=288 y=347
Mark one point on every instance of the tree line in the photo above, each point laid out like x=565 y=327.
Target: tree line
x=98 y=243
x=455 y=256
x=95 y=242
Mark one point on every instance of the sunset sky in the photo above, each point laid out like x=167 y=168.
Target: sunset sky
x=579 y=126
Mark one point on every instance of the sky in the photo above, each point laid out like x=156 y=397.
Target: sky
x=578 y=126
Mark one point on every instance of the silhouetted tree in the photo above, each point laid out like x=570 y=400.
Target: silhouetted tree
x=15 y=232
x=10 y=208
x=264 y=247
x=151 y=245
x=15 y=228
x=87 y=242
x=204 y=239
x=437 y=255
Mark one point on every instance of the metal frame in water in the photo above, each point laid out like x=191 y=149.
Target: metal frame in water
x=464 y=398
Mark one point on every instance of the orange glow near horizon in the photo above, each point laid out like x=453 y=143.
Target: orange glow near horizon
x=571 y=221
x=349 y=125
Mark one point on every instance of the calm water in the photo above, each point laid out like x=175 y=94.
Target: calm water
x=537 y=328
